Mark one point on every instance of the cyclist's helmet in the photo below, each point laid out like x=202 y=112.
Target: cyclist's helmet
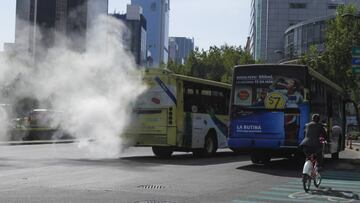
x=315 y=118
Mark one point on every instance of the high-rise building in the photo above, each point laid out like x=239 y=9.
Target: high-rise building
x=270 y=19
x=173 y=50
x=135 y=37
x=156 y=13
x=38 y=21
x=180 y=48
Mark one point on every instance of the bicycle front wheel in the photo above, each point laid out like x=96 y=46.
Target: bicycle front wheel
x=306 y=180
x=317 y=179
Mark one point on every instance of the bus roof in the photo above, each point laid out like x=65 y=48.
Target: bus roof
x=311 y=72
x=322 y=78
x=188 y=78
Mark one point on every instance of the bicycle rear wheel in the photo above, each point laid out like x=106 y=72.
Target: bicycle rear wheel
x=306 y=180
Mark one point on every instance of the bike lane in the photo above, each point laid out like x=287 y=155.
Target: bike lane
x=337 y=186
x=340 y=182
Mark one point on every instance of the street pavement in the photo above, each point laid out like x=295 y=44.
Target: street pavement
x=67 y=173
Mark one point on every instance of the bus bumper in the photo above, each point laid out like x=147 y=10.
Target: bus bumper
x=254 y=143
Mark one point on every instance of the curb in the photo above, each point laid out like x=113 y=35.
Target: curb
x=35 y=142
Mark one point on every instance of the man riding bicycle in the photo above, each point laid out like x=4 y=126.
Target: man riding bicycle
x=314 y=131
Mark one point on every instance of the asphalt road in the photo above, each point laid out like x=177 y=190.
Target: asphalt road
x=64 y=173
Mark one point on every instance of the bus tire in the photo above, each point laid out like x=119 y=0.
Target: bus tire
x=210 y=145
x=260 y=158
x=162 y=152
x=335 y=156
x=255 y=159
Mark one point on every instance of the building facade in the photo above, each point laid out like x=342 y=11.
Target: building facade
x=300 y=37
x=156 y=13
x=135 y=37
x=271 y=18
x=39 y=21
x=180 y=48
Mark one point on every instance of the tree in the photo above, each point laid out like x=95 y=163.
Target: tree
x=335 y=62
x=217 y=63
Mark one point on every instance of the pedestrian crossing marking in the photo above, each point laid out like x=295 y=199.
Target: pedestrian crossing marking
x=285 y=199
x=285 y=189
x=244 y=201
x=336 y=186
x=325 y=184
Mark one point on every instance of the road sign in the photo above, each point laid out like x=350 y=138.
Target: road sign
x=356 y=69
x=355 y=61
x=355 y=51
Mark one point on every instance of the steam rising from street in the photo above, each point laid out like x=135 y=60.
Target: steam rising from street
x=93 y=90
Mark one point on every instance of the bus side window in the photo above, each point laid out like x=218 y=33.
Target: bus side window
x=188 y=98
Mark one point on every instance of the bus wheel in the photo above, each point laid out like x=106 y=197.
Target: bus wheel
x=335 y=156
x=162 y=152
x=260 y=158
x=255 y=158
x=210 y=146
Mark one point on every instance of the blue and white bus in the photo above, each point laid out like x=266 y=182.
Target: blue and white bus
x=270 y=105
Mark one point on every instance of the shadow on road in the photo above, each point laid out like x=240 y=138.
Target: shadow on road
x=279 y=167
x=146 y=162
x=189 y=159
x=292 y=168
x=335 y=195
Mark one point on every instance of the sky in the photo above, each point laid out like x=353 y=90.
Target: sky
x=209 y=22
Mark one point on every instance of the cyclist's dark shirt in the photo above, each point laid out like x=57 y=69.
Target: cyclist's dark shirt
x=313 y=131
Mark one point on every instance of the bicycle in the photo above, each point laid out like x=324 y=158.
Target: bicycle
x=311 y=172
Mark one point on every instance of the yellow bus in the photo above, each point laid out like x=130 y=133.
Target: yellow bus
x=181 y=113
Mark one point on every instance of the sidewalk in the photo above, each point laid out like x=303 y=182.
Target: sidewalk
x=355 y=145
x=38 y=142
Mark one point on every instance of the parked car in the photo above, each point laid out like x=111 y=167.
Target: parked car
x=44 y=124
x=43 y=118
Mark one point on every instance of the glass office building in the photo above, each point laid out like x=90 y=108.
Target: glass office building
x=156 y=13
x=271 y=18
x=300 y=37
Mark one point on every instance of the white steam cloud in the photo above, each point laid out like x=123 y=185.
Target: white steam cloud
x=94 y=90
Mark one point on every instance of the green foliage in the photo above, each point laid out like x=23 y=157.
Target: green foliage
x=217 y=63
x=335 y=61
